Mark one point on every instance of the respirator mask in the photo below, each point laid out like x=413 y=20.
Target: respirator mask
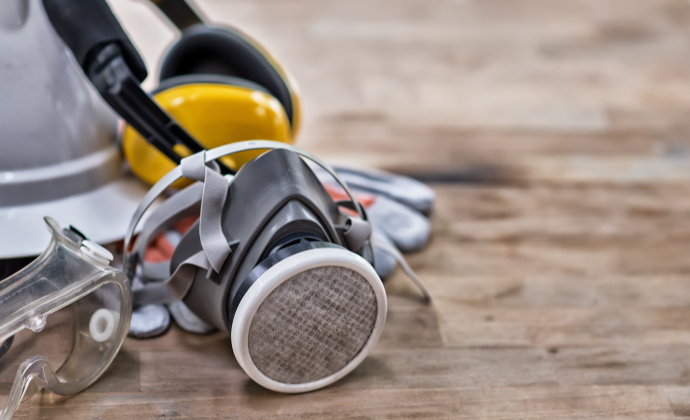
x=273 y=261
x=63 y=319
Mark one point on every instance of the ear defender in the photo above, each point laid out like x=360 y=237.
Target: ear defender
x=222 y=87
x=273 y=261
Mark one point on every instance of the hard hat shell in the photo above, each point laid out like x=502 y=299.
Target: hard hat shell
x=58 y=151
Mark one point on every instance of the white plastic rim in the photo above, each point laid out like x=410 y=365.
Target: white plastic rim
x=274 y=277
x=102 y=325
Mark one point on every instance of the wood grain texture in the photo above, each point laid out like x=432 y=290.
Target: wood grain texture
x=559 y=260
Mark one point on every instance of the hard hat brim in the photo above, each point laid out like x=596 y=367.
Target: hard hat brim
x=102 y=214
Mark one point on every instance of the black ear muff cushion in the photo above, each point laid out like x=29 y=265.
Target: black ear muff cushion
x=207 y=50
x=213 y=79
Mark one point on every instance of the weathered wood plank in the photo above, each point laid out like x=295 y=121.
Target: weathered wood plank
x=563 y=402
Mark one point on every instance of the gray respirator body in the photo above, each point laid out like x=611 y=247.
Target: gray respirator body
x=274 y=262
x=277 y=208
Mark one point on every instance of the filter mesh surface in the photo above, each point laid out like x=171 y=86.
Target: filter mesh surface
x=312 y=325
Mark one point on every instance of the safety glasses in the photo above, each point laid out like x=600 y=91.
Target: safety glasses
x=63 y=319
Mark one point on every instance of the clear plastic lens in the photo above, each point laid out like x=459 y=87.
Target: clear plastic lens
x=66 y=315
x=54 y=342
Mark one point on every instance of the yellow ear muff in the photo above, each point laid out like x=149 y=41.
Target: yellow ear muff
x=214 y=114
x=208 y=50
x=288 y=79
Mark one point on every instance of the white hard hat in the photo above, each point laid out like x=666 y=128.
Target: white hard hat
x=58 y=141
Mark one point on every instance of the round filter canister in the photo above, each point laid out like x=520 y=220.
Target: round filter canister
x=309 y=320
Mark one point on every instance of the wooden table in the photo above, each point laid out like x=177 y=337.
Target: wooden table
x=555 y=134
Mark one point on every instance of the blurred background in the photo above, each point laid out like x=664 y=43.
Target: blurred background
x=461 y=89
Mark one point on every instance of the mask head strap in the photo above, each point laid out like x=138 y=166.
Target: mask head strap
x=208 y=157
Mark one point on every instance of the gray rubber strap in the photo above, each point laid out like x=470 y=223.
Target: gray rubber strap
x=176 y=287
x=129 y=266
x=154 y=272
x=213 y=240
x=380 y=240
x=211 y=155
x=185 y=203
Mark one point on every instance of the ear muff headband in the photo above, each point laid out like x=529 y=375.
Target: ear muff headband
x=211 y=155
x=208 y=79
x=204 y=49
